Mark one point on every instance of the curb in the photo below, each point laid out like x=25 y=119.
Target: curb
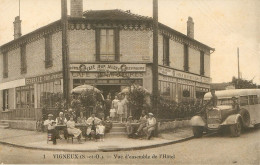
x=99 y=150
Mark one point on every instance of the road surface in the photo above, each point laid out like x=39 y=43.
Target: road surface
x=210 y=149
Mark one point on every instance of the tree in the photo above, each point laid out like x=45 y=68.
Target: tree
x=243 y=84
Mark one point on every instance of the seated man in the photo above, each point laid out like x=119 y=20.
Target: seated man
x=92 y=122
x=235 y=104
x=108 y=124
x=61 y=120
x=142 y=121
x=150 y=126
x=51 y=128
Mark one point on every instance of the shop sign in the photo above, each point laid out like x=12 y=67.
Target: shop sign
x=165 y=71
x=181 y=81
x=108 y=67
x=107 y=75
x=187 y=76
x=203 y=85
x=167 y=78
x=205 y=79
x=43 y=78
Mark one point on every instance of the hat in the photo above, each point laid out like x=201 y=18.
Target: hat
x=150 y=114
x=50 y=115
x=130 y=117
x=61 y=113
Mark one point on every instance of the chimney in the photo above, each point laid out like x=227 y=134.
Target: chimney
x=17 y=27
x=190 y=28
x=76 y=8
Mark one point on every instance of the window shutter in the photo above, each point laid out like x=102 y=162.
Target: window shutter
x=97 y=37
x=117 y=44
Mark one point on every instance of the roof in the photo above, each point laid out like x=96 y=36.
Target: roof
x=116 y=14
x=107 y=15
x=233 y=93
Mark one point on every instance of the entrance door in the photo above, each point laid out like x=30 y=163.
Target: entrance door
x=113 y=89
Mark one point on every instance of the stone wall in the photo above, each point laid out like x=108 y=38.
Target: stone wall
x=169 y=125
x=22 y=124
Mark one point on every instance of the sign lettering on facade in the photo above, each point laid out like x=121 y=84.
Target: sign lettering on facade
x=108 y=67
x=43 y=78
x=182 y=75
x=107 y=75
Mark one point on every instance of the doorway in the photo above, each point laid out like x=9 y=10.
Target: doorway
x=113 y=89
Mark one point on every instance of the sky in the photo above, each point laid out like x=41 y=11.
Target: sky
x=221 y=24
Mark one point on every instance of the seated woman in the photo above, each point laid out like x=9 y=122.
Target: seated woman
x=82 y=121
x=72 y=130
x=92 y=122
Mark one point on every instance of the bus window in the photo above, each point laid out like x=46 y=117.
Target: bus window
x=225 y=102
x=243 y=100
x=255 y=99
x=251 y=100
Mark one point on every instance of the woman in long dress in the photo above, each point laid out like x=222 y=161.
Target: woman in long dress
x=120 y=110
x=72 y=130
x=115 y=104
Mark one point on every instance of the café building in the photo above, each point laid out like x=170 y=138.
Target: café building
x=109 y=49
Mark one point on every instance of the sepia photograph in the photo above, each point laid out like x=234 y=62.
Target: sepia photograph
x=130 y=82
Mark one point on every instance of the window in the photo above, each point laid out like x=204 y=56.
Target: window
x=48 y=51
x=5 y=65
x=202 y=71
x=49 y=94
x=186 y=58
x=25 y=97
x=253 y=99
x=243 y=100
x=5 y=99
x=166 y=59
x=107 y=45
x=23 y=59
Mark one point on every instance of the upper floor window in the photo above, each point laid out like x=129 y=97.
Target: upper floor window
x=48 y=51
x=5 y=64
x=166 y=58
x=202 y=71
x=186 y=58
x=107 y=45
x=23 y=59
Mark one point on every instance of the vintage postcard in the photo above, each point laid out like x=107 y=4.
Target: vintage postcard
x=129 y=82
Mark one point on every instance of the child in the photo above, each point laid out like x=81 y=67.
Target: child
x=113 y=113
x=100 y=130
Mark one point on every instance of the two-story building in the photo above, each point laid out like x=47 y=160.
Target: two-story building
x=109 y=49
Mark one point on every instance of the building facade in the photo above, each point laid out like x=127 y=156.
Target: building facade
x=110 y=49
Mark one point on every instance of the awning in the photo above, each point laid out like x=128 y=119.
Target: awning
x=12 y=84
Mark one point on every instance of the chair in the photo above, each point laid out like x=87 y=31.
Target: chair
x=49 y=137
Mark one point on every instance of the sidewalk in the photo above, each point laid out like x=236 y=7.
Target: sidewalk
x=38 y=140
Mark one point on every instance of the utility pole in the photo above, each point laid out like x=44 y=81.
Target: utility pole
x=155 y=56
x=65 y=57
x=238 y=69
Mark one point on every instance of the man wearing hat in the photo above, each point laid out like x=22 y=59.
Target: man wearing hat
x=235 y=104
x=51 y=128
x=61 y=120
x=150 y=125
